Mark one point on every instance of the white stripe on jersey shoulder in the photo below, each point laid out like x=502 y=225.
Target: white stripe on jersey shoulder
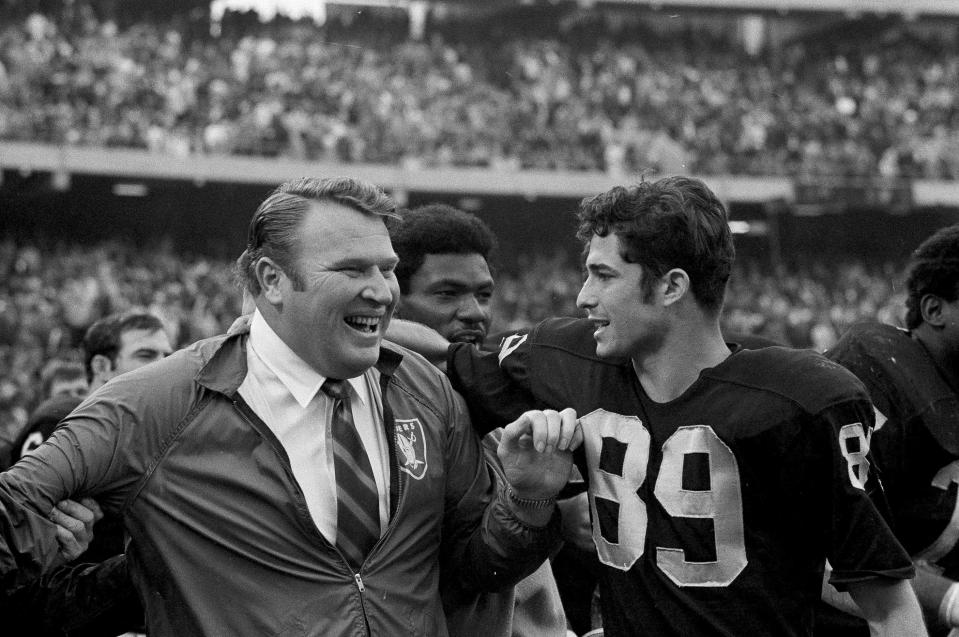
x=880 y=419
x=510 y=343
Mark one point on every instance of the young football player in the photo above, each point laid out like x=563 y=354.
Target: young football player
x=720 y=480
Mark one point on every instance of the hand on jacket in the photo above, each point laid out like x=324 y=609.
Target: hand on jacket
x=75 y=522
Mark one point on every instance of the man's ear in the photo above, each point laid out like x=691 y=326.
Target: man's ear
x=101 y=365
x=676 y=285
x=270 y=276
x=930 y=306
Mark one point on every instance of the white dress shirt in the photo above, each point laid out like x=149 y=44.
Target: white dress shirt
x=284 y=391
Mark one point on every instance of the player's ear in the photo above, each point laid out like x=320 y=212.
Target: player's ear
x=930 y=306
x=676 y=283
x=270 y=276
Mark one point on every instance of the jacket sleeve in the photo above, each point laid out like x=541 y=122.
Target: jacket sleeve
x=485 y=546
x=99 y=450
x=84 y=598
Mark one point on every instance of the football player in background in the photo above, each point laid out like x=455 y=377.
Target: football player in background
x=719 y=481
x=63 y=378
x=444 y=272
x=446 y=283
x=912 y=376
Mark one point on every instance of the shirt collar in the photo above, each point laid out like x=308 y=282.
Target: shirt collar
x=301 y=380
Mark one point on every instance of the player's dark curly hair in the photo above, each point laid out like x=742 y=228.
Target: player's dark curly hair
x=933 y=269
x=673 y=222
x=436 y=229
x=275 y=224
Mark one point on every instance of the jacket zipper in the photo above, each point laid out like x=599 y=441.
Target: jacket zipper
x=357 y=578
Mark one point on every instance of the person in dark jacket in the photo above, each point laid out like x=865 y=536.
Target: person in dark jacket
x=299 y=477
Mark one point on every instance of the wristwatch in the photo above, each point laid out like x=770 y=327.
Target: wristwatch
x=530 y=503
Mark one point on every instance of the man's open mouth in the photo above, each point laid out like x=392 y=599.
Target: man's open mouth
x=365 y=324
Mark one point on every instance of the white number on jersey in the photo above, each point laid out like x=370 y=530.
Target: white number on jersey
x=722 y=503
x=617 y=455
x=616 y=486
x=509 y=345
x=854 y=445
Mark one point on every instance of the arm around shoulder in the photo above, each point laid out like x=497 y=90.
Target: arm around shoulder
x=423 y=340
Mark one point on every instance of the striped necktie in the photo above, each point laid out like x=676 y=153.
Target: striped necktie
x=357 y=500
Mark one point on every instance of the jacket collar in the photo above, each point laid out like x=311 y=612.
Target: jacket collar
x=225 y=369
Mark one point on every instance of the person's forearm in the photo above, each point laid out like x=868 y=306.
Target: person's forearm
x=490 y=543
x=79 y=596
x=511 y=544
x=28 y=544
x=535 y=512
x=937 y=595
x=423 y=340
x=890 y=607
x=838 y=600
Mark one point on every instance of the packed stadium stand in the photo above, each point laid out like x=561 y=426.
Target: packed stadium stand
x=546 y=88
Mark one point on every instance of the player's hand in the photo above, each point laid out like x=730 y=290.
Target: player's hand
x=75 y=522
x=536 y=452
x=577 y=529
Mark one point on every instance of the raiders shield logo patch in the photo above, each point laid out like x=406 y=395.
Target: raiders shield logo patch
x=411 y=447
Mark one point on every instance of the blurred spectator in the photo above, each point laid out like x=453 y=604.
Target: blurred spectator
x=40 y=320
x=63 y=378
x=120 y=343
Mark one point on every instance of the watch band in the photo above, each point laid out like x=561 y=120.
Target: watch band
x=530 y=503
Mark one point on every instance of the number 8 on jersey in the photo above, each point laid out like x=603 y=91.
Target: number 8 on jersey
x=617 y=455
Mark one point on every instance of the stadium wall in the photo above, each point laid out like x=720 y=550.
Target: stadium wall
x=202 y=204
x=71 y=160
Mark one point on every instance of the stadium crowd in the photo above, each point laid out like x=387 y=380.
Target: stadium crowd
x=879 y=102
x=49 y=295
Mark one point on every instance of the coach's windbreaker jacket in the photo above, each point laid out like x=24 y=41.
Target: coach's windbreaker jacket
x=221 y=541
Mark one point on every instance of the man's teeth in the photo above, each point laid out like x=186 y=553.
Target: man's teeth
x=363 y=323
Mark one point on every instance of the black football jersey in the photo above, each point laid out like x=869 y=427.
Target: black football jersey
x=713 y=514
x=916 y=440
